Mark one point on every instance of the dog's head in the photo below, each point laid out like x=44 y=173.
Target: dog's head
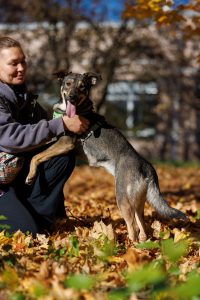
x=75 y=89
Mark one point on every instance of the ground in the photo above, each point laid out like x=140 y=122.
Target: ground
x=89 y=255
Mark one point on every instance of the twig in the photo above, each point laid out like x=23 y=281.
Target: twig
x=76 y=218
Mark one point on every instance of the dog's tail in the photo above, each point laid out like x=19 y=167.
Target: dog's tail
x=156 y=200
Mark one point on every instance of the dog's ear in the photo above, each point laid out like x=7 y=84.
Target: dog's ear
x=60 y=75
x=92 y=77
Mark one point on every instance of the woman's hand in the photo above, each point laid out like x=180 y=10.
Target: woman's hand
x=77 y=124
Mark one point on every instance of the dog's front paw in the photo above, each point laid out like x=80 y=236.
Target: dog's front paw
x=29 y=180
x=142 y=237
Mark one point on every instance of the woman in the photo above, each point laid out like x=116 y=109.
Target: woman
x=24 y=131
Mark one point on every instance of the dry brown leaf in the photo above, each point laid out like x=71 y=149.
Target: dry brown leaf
x=60 y=293
x=44 y=270
x=156 y=225
x=100 y=229
x=76 y=245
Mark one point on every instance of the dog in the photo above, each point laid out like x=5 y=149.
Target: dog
x=105 y=146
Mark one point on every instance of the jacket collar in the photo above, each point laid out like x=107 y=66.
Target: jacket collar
x=7 y=92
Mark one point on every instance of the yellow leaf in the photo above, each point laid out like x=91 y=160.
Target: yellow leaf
x=10 y=277
x=132 y=257
x=154 y=5
x=4 y=239
x=116 y=259
x=162 y=19
x=187 y=186
x=179 y=235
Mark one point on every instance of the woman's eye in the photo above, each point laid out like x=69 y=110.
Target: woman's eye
x=13 y=64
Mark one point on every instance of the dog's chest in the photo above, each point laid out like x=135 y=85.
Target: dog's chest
x=98 y=158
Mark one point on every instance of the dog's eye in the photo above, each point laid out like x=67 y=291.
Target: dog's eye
x=81 y=87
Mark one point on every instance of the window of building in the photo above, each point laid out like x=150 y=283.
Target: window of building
x=130 y=106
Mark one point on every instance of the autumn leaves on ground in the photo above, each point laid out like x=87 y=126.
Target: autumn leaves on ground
x=89 y=255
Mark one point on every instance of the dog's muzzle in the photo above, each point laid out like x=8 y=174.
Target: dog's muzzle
x=72 y=98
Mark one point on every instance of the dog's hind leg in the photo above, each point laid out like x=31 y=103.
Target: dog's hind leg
x=62 y=146
x=131 y=195
x=139 y=215
x=133 y=216
x=126 y=205
x=137 y=194
x=128 y=213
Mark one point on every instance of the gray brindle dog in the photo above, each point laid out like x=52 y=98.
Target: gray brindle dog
x=104 y=146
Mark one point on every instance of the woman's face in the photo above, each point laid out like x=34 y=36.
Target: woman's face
x=12 y=65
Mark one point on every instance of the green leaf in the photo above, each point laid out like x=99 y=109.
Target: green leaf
x=198 y=215
x=188 y=289
x=17 y=296
x=62 y=251
x=8 y=234
x=149 y=274
x=148 y=245
x=174 y=251
x=4 y=227
x=10 y=277
x=107 y=248
x=56 y=253
x=38 y=290
x=79 y=282
x=174 y=270
x=73 y=246
x=118 y=294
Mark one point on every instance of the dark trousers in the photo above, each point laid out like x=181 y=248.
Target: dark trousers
x=34 y=208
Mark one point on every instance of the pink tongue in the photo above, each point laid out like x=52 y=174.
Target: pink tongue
x=70 y=110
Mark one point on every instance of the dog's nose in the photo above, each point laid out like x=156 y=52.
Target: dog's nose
x=73 y=98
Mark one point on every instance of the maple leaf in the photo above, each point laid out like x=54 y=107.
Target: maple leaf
x=100 y=229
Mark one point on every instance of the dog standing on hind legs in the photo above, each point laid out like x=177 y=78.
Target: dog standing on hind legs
x=104 y=146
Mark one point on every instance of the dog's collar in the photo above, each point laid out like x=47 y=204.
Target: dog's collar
x=57 y=114
x=96 y=125
x=92 y=130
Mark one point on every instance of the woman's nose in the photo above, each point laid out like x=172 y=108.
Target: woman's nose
x=20 y=67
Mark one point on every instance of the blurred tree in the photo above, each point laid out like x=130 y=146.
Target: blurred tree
x=164 y=12
x=71 y=34
x=179 y=24
x=59 y=21
x=11 y=12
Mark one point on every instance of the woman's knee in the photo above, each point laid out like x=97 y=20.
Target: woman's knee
x=59 y=166
x=16 y=215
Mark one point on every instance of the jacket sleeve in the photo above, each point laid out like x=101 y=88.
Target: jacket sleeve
x=18 y=138
x=40 y=113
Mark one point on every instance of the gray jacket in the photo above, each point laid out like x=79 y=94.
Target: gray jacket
x=23 y=122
